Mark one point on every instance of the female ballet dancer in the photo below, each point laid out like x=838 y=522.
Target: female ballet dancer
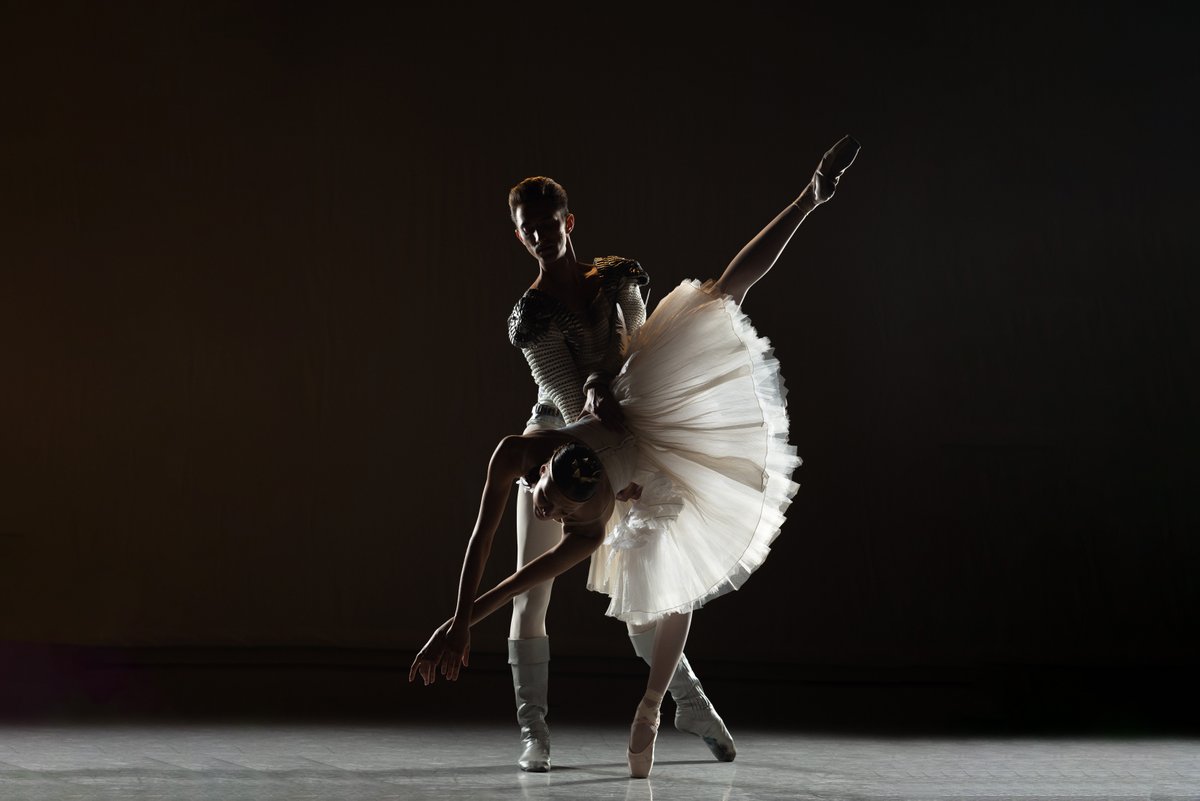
x=704 y=433
x=571 y=326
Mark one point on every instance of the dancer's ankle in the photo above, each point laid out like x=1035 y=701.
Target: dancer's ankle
x=645 y=722
x=807 y=200
x=651 y=702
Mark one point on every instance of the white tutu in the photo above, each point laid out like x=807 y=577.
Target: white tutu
x=702 y=393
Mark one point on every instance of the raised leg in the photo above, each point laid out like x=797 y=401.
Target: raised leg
x=754 y=260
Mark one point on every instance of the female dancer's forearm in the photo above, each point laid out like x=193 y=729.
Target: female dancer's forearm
x=502 y=471
x=495 y=598
x=484 y=605
x=472 y=574
x=569 y=552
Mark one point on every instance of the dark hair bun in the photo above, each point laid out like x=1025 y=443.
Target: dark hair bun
x=576 y=470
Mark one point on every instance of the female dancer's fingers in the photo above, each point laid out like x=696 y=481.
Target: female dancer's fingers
x=419 y=667
x=431 y=672
x=462 y=661
x=631 y=493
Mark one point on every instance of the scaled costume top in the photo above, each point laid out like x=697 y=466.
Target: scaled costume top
x=562 y=350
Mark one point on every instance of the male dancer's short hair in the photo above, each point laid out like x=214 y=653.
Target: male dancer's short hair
x=539 y=188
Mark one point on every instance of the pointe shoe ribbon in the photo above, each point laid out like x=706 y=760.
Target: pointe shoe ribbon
x=642 y=762
x=834 y=163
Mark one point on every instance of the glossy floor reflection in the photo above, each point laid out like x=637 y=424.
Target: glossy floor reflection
x=411 y=762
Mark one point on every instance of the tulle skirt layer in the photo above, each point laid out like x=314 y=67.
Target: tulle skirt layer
x=702 y=392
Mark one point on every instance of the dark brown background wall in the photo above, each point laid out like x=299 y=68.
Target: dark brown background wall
x=256 y=265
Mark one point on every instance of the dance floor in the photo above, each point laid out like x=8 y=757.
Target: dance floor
x=329 y=761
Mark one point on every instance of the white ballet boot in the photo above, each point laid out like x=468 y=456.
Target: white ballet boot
x=530 y=661
x=694 y=713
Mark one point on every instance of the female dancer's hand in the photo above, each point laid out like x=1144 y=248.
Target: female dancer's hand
x=631 y=493
x=458 y=649
x=428 y=658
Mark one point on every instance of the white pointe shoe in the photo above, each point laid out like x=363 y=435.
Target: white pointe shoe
x=694 y=713
x=834 y=163
x=642 y=762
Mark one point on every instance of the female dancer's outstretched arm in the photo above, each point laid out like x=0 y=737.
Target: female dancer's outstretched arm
x=450 y=644
x=507 y=464
x=760 y=253
x=451 y=654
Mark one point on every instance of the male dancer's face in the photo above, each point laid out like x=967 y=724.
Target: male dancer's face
x=543 y=230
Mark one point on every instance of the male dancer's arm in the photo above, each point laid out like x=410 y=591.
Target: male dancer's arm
x=598 y=397
x=554 y=369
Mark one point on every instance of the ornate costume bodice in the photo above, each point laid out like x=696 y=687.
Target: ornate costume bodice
x=562 y=349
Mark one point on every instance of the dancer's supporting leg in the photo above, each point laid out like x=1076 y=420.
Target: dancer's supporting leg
x=534 y=538
x=669 y=638
x=694 y=712
x=760 y=253
x=528 y=645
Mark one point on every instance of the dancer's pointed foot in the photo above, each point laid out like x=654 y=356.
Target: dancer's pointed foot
x=833 y=164
x=642 y=735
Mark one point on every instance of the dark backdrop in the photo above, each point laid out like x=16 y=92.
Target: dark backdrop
x=256 y=267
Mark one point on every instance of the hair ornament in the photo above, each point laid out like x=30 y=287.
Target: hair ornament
x=577 y=474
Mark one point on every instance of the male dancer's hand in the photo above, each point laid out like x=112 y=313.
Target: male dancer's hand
x=601 y=404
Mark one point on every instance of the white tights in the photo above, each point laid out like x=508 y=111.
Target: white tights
x=534 y=538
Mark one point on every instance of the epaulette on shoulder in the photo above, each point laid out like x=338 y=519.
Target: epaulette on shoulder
x=530 y=318
x=616 y=270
